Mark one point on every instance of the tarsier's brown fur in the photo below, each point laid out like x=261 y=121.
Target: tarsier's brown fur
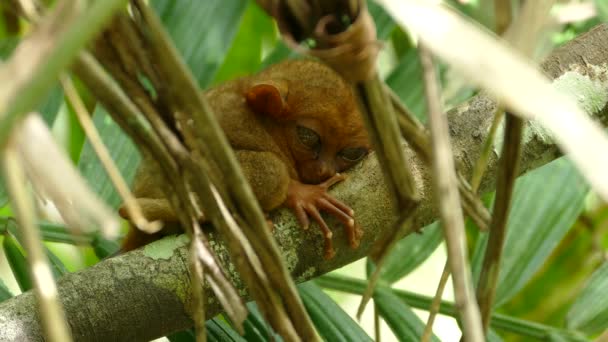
x=293 y=127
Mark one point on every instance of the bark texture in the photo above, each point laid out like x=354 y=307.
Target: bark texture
x=146 y=293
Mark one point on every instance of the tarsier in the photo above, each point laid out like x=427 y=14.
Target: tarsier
x=294 y=127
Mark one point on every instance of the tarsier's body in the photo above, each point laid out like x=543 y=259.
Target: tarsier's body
x=293 y=127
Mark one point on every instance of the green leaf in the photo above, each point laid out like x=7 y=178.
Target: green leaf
x=4 y=292
x=3 y=193
x=122 y=150
x=546 y=202
x=54 y=232
x=280 y=52
x=402 y=43
x=57 y=267
x=104 y=247
x=51 y=232
x=184 y=336
x=50 y=106
x=499 y=321
x=602 y=9
x=202 y=31
x=18 y=263
x=7 y=45
x=74 y=136
x=256 y=328
x=384 y=23
x=589 y=312
x=410 y=252
x=245 y=55
x=404 y=323
x=405 y=82
x=218 y=330
x=332 y=323
x=493 y=336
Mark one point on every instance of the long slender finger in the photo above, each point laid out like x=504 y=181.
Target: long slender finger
x=327 y=234
x=354 y=234
x=350 y=227
x=301 y=216
x=336 y=202
x=337 y=178
x=329 y=208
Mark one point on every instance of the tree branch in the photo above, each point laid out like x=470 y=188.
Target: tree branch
x=146 y=293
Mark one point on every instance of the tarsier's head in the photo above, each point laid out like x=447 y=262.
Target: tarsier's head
x=323 y=127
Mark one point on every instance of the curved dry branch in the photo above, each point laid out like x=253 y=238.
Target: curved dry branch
x=146 y=293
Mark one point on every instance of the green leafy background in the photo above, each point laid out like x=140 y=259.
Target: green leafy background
x=553 y=278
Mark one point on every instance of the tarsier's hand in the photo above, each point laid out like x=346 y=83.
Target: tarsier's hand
x=308 y=200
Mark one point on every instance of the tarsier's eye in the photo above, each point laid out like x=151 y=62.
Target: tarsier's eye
x=353 y=154
x=308 y=137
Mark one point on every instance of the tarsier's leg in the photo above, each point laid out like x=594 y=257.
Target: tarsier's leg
x=153 y=209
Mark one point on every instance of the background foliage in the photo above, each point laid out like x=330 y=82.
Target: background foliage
x=553 y=273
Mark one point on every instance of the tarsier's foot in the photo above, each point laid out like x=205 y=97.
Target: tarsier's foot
x=308 y=200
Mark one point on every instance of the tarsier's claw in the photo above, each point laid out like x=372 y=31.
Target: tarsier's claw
x=354 y=236
x=329 y=252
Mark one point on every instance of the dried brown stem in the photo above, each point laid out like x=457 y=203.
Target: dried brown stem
x=434 y=309
x=51 y=311
x=488 y=143
x=502 y=15
x=108 y=164
x=505 y=182
x=446 y=190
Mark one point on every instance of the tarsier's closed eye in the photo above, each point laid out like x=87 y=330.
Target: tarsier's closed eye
x=353 y=154
x=308 y=137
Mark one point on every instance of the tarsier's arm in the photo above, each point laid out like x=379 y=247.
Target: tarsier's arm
x=270 y=182
x=268 y=177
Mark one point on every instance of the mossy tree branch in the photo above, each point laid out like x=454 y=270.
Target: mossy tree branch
x=146 y=293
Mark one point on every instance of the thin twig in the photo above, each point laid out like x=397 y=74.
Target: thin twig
x=381 y=122
x=377 y=327
x=199 y=296
x=524 y=34
x=446 y=188
x=128 y=116
x=51 y=311
x=403 y=228
x=269 y=284
x=505 y=182
x=502 y=15
x=434 y=309
x=103 y=154
x=484 y=157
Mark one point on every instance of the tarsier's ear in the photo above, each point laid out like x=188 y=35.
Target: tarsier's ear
x=268 y=98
